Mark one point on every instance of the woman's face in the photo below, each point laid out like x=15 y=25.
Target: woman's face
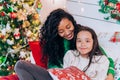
x=66 y=29
x=84 y=43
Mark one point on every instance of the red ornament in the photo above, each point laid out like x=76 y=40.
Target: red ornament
x=13 y=15
x=17 y=34
x=1 y=4
x=2 y=13
x=5 y=4
x=2 y=36
x=118 y=6
x=106 y=2
x=10 y=67
x=113 y=39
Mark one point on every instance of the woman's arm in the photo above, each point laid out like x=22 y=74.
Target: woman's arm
x=103 y=65
x=111 y=72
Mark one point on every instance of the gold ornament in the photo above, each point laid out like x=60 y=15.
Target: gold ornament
x=21 y=15
x=0 y=35
x=36 y=16
x=17 y=46
x=30 y=3
x=5 y=37
x=1 y=7
x=29 y=33
x=13 y=25
x=26 y=24
x=111 y=4
x=36 y=22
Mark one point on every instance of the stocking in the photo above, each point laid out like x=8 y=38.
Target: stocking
x=37 y=53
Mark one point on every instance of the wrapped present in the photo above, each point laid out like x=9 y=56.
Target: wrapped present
x=69 y=73
x=115 y=37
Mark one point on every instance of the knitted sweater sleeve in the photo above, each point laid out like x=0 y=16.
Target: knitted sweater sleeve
x=111 y=65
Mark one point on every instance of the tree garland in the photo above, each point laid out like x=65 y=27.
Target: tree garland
x=111 y=7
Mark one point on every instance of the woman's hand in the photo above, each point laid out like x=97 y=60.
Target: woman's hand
x=109 y=77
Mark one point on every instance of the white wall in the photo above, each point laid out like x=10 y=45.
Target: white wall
x=86 y=13
x=49 y=5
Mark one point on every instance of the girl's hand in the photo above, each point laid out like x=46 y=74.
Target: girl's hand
x=109 y=77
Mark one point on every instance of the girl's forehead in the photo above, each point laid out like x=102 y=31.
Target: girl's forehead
x=84 y=34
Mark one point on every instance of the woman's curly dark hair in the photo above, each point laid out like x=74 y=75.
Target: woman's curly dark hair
x=51 y=42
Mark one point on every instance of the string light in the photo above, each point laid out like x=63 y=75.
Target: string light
x=64 y=7
x=82 y=9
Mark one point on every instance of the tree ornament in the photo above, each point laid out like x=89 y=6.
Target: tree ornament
x=36 y=16
x=8 y=28
x=118 y=6
x=2 y=13
x=36 y=22
x=38 y=4
x=5 y=4
x=22 y=54
x=106 y=2
x=2 y=36
x=1 y=7
x=26 y=24
x=10 y=42
x=21 y=15
x=17 y=34
x=13 y=15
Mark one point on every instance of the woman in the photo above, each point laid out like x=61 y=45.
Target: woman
x=59 y=29
x=56 y=38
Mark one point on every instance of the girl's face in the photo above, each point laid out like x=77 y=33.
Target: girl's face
x=84 y=43
x=66 y=29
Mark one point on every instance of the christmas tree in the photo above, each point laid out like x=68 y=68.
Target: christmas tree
x=19 y=24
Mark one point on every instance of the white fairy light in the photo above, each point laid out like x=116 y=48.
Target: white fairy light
x=82 y=9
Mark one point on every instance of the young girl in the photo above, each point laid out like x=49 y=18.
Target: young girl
x=88 y=56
